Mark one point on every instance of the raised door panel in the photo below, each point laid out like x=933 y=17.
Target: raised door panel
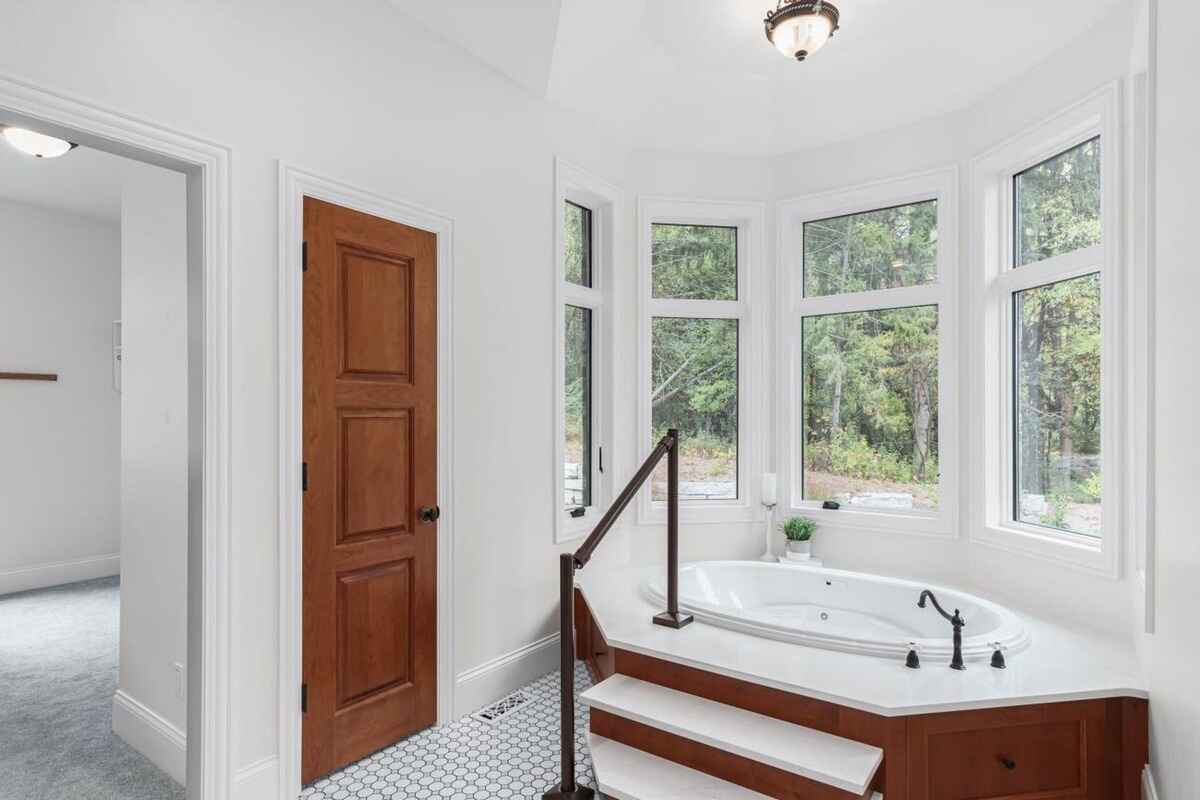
x=376 y=481
x=374 y=631
x=377 y=315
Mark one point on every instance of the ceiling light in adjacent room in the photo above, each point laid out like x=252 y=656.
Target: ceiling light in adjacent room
x=799 y=28
x=36 y=144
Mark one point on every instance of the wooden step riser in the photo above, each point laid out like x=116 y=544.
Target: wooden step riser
x=754 y=775
x=888 y=733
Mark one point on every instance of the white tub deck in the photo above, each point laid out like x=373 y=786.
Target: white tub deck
x=1060 y=665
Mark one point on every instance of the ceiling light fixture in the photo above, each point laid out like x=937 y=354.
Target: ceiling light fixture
x=38 y=145
x=799 y=28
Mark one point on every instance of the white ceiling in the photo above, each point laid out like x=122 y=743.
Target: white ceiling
x=700 y=75
x=84 y=181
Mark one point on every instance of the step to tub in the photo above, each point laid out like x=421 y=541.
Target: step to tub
x=624 y=773
x=816 y=756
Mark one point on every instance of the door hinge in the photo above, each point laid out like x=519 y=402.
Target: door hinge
x=304 y=256
x=304 y=698
x=304 y=476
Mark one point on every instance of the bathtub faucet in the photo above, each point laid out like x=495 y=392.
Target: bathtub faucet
x=956 y=620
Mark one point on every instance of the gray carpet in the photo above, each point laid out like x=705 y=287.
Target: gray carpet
x=58 y=673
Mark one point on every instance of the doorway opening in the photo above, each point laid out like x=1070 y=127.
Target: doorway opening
x=93 y=610
x=137 y=310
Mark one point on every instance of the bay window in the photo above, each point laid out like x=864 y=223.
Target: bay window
x=586 y=213
x=867 y=369
x=1048 y=243
x=701 y=354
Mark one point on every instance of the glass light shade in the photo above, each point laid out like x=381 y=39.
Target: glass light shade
x=770 y=489
x=36 y=144
x=807 y=32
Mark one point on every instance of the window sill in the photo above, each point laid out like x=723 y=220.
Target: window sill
x=935 y=525
x=702 y=512
x=1067 y=549
x=570 y=529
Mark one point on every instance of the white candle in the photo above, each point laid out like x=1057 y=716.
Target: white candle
x=769 y=489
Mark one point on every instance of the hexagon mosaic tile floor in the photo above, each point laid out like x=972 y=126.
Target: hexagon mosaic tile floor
x=514 y=756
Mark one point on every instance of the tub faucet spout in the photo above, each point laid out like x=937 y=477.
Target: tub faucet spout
x=955 y=619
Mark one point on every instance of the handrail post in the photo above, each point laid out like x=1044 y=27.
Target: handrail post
x=671 y=618
x=567 y=789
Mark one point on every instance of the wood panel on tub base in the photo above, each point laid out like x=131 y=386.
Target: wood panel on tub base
x=1081 y=750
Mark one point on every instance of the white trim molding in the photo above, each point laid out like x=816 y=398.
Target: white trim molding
x=294 y=185
x=504 y=674
x=748 y=310
x=1149 y=788
x=577 y=185
x=151 y=735
x=41 y=576
x=994 y=280
x=940 y=185
x=208 y=167
x=257 y=781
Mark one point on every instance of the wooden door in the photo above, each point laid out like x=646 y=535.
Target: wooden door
x=370 y=452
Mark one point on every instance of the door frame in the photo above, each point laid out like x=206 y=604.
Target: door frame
x=294 y=185
x=208 y=171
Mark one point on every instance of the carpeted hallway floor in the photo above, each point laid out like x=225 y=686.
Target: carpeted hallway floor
x=58 y=673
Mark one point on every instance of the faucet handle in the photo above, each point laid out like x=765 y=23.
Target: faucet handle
x=913 y=661
x=998 y=649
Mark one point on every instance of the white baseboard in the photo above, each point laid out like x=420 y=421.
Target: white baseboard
x=258 y=781
x=500 y=676
x=39 y=576
x=1149 y=790
x=151 y=735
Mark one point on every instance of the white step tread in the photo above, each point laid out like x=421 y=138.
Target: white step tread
x=816 y=755
x=625 y=773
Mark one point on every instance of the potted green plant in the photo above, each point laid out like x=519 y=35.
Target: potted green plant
x=799 y=532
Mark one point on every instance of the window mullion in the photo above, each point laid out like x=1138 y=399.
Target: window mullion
x=870 y=301
x=1051 y=270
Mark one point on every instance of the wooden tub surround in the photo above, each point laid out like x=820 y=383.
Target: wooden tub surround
x=1088 y=749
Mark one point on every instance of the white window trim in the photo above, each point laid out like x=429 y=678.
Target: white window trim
x=940 y=185
x=994 y=281
x=749 y=219
x=571 y=183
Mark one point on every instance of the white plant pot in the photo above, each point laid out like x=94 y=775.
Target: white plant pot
x=799 y=551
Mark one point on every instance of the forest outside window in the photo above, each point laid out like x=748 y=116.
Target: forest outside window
x=869 y=396
x=694 y=356
x=1054 y=326
x=1057 y=343
x=586 y=215
x=577 y=464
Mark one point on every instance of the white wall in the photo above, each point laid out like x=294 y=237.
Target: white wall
x=154 y=456
x=1173 y=651
x=59 y=457
x=358 y=92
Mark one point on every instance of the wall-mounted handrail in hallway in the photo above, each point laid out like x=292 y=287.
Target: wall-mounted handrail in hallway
x=28 y=376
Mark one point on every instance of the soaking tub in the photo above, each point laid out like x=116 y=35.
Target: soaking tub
x=853 y=612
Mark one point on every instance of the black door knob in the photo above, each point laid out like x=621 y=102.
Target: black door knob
x=429 y=514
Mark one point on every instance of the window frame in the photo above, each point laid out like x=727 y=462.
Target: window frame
x=997 y=281
x=575 y=185
x=940 y=185
x=748 y=218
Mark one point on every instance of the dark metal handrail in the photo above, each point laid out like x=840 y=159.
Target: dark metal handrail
x=569 y=563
